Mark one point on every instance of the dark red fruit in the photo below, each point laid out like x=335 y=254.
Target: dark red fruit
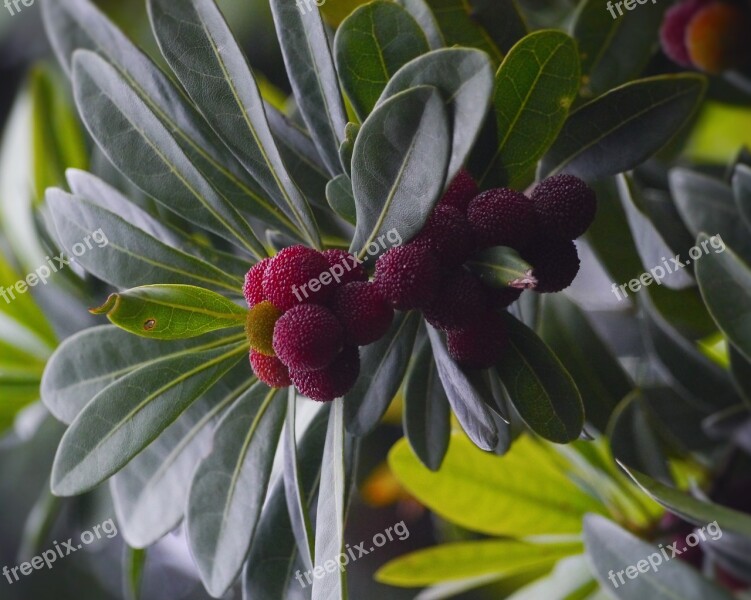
x=564 y=206
x=253 y=288
x=673 y=30
x=308 y=337
x=449 y=235
x=270 y=370
x=480 y=345
x=259 y=326
x=460 y=301
x=341 y=260
x=408 y=276
x=364 y=313
x=460 y=191
x=293 y=277
x=555 y=264
x=504 y=297
x=501 y=217
x=332 y=382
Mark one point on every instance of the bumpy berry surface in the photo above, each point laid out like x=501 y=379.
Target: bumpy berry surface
x=460 y=192
x=674 y=27
x=353 y=271
x=270 y=370
x=307 y=337
x=555 y=262
x=364 y=313
x=503 y=297
x=289 y=271
x=480 y=345
x=253 y=288
x=460 y=301
x=717 y=38
x=564 y=206
x=448 y=234
x=259 y=326
x=408 y=276
x=332 y=382
x=501 y=217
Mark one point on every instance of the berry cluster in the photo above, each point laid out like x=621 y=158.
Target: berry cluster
x=311 y=339
x=710 y=35
x=428 y=272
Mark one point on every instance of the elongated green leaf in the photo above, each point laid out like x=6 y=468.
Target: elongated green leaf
x=614 y=50
x=459 y=28
x=427 y=414
x=742 y=191
x=130 y=257
x=534 y=88
x=621 y=129
x=134 y=563
x=341 y=198
x=725 y=283
x=371 y=45
x=168 y=312
x=741 y=370
x=75 y=24
x=382 y=368
x=150 y=493
x=570 y=579
x=539 y=386
x=464 y=78
x=229 y=487
x=399 y=165
x=129 y=414
x=611 y=549
x=461 y=560
x=500 y=267
x=198 y=44
x=314 y=80
x=421 y=13
x=117 y=118
x=523 y=493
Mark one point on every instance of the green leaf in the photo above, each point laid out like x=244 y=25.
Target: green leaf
x=500 y=267
x=534 y=88
x=464 y=78
x=399 y=165
x=421 y=13
x=570 y=579
x=382 y=368
x=521 y=494
x=597 y=373
x=742 y=191
x=168 y=312
x=611 y=549
x=427 y=414
x=150 y=493
x=229 y=486
x=313 y=77
x=370 y=46
x=459 y=28
x=117 y=118
x=621 y=129
x=614 y=50
x=128 y=415
x=462 y=560
x=725 y=283
x=341 y=198
x=741 y=370
x=134 y=563
x=199 y=46
x=539 y=386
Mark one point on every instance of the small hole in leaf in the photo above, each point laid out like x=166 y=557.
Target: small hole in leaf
x=150 y=324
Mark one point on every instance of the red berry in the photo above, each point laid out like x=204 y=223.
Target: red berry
x=480 y=345
x=504 y=297
x=289 y=275
x=253 y=288
x=564 y=206
x=332 y=382
x=501 y=217
x=408 y=276
x=352 y=268
x=449 y=235
x=555 y=264
x=460 y=191
x=364 y=313
x=307 y=337
x=259 y=326
x=460 y=301
x=270 y=370
x=673 y=30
